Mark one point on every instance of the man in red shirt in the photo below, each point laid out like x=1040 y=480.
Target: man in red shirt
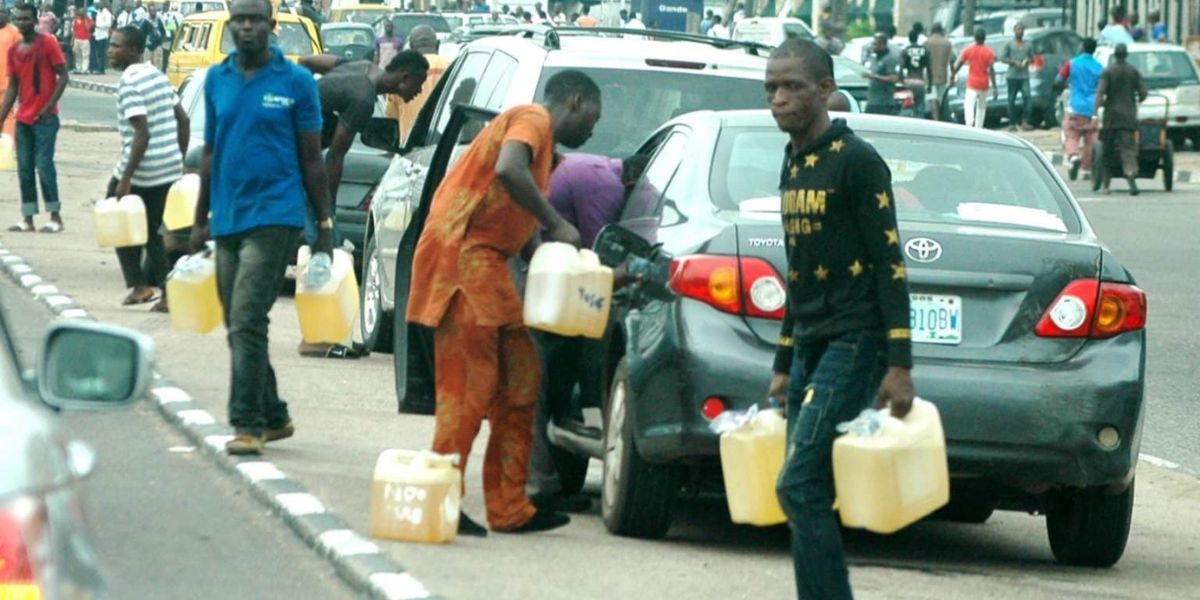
x=981 y=60
x=83 y=41
x=37 y=73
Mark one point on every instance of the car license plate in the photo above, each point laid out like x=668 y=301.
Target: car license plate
x=935 y=319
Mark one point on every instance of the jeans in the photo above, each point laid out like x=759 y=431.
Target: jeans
x=1021 y=87
x=152 y=271
x=35 y=150
x=831 y=382
x=250 y=268
x=100 y=56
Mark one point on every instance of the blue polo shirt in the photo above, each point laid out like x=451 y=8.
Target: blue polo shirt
x=252 y=128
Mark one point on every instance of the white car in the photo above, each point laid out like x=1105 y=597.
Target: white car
x=1170 y=73
x=771 y=31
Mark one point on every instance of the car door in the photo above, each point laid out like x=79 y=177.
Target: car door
x=413 y=347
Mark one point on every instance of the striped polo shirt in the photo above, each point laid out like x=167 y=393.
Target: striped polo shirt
x=145 y=91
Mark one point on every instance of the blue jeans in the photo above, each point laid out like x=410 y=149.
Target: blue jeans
x=250 y=268
x=99 y=56
x=1021 y=87
x=35 y=150
x=831 y=382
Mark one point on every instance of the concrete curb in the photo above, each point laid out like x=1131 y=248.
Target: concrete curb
x=92 y=86
x=1059 y=159
x=358 y=560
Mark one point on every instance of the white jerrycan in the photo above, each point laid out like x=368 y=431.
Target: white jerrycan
x=416 y=497
x=568 y=292
x=121 y=223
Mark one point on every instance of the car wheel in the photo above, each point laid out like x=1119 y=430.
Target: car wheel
x=1098 y=171
x=376 y=322
x=637 y=497
x=1088 y=528
x=572 y=469
x=964 y=511
x=1168 y=167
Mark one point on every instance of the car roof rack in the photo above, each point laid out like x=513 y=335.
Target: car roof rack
x=547 y=36
x=754 y=48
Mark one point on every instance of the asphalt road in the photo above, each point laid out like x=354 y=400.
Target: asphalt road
x=167 y=524
x=88 y=107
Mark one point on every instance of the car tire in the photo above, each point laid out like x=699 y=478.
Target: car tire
x=376 y=323
x=1168 y=166
x=1097 y=166
x=1089 y=528
x=637 y=498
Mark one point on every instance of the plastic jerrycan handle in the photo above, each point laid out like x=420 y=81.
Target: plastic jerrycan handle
x=588 y=259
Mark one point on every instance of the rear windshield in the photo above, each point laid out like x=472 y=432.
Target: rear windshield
x=292 y=38
x=361 y=16
x=636 y=102
x=347 y=37
x=935 y=180
x=1163 y=69
x=404 y=24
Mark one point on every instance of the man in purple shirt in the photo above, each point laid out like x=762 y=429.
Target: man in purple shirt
x=589 y=191
x=387 y=45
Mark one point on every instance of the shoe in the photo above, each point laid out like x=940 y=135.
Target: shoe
x=160 y=306
x=1133 y=188
x=543 y=520
x=244 y=443
x=466 y=526
x=1075 y=164
x=283 y=433
x=1085 y=175
x=52 y=227
x=568 y=503
x=23 y=226
x=146 y=295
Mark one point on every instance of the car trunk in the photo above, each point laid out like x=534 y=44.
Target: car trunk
x=1003 y=280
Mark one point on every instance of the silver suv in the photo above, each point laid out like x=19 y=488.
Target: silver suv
x=645 y=80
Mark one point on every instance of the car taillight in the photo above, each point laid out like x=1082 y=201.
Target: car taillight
x=23 y=546
x=1089 y=308
x=746 y=286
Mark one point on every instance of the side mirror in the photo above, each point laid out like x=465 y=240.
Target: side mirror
x=614 y=244
x=92 y=365
x=382 y=133
x=191 y=162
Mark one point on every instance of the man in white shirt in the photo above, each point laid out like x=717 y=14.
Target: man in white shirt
x=718 y=29
x=104 y=24
x=1115 y=32
x=634 y=22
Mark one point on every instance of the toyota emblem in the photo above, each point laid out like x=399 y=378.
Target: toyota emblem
x=923 y=250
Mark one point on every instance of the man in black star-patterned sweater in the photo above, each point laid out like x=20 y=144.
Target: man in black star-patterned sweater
x=845 y=339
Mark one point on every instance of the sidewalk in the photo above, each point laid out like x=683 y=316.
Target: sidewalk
x=1187 y=163
x=105 y=84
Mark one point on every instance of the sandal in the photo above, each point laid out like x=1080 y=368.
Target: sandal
x=328 y=351
x=160 y=306
x=133 y=299
x=24 y=226
x=52 y=227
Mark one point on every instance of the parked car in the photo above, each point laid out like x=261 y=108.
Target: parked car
x=770 y=31
x=1170 y=71
x=46 y=548
x=851 y=77
x=644 y=82
x=456 y=20
x=1051 y=49
x=352 y=41
x=402 y=24
x=189 y=7
x=366 y=14
x=1003 y=22
x=205 y=39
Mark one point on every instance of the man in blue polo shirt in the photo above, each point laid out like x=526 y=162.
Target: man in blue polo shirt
x=262 y=157
x=1082 y=74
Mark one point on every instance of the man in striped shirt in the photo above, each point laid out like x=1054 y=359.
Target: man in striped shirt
x=154 y=135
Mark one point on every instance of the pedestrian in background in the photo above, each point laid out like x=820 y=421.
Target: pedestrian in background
x=1158 y=29
x=845 y=340
x=882 y=76
x=916 y=69
x=310 y=12
x=37 y=78
x=707 y=22
x=387 y=45
x=154 y=132
x=172 y=21
x=154 y=33
x=104 y=25
x=64 y=33
x=10 y=36
x=82 y=44
x=718 y=29
x=1120 y=91
x=1082 y=75
x=263 y=111
x=829 y=40
x=981 y=71
x=1017 y=55
x=586 y=19
x=47 y=22
x=1116 y=32
x=941 y=58
x=486 y=364
x=423 y=39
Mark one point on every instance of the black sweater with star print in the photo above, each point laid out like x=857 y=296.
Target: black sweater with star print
x=845 y=269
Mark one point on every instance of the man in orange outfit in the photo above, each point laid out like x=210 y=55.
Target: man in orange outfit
x=9 y=37
x=488 y=207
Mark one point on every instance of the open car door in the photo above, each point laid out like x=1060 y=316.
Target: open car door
x=413 y=347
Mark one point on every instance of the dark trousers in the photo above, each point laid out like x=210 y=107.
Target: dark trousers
x=35 y=152
x=882 y=108
x=145 y=265
x=566 y=362
x=1019 y=87
x=250 y=268
x=100 y=56
x=166 y=51
x=1120 y=152
x=830 y=383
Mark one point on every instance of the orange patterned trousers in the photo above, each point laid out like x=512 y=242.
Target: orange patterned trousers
x=493 y=373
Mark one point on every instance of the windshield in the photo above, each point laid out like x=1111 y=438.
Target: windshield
x=453 y=22
x=847 y=72
x=402 y=24
x=935 y=180
x=361 y=16
x=637 y=102
x=347 y=37
x=292 y=38
x=1164 y=69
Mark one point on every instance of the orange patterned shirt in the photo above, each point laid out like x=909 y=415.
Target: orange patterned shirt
x=474 y=226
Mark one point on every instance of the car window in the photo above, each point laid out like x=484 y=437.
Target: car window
x=1164 y=69
x=461 y=90
x=454 y=22
x=848 y=72
x=642 y=100
x=792 y=30
x=361 y=16
x=403 y=24
x=348 y=37
x=934 y=179
x=644 y=207
x=292 y=38
x=493 y=87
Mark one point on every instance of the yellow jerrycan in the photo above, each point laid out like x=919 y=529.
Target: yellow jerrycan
x=568 y=292
x=416 y=496
x=890 y=478
x=8 y=153
x=327 y=313
x=121 y=223
x=180 y=210
x=751 y=458
x=192 y=289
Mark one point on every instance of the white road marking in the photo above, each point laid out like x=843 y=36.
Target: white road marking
x=196 y=417
x=345 y=542
x=43 y=290
x=73 y=313
x=300 y=504
x=29 y=280
x=181 y=449
x=217 y=442
x=260 y=470
x=1159 y=462
x=399 y=586
x=57 y=300
x=168 y=395
x=20 y=269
